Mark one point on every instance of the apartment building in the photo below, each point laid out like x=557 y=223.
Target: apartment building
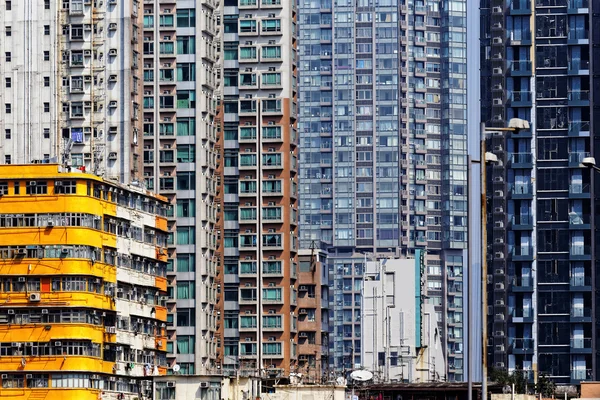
x=260 y=188
x=83 y=281
x=313 y=315
x=71 y=85
x=383 y=157
x=540 y=198
x=401 y=340
x=181 y=78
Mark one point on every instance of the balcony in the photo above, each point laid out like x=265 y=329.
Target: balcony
x=522 y=284
x=521 y=160
x=579 y=191
x=521 y=222
x=521 y=345
x=580 y=252
x=522 y=253
x=581 y=345
x=521 y=190
x=580 y=314
x=578 y=67
x=520 y=7
x=575 y=159
x=520 y=68
x=520 y=99
x=579 y=221
x=581 y=375
x=578 y=283
x=578 y=7
x=578 y=36
x=579 y=97
x=579 y=128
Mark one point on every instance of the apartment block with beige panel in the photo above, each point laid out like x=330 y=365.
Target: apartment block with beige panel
x=82 y=286
x=260 y=187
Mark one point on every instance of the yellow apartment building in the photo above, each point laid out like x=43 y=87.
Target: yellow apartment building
x=82 y=286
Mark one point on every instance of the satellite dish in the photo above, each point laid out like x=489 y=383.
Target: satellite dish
x=176 y=368
x=507 y=389
x=361 y=375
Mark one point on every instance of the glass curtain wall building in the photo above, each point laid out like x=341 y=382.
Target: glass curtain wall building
x=537 y=64
x=383 y=150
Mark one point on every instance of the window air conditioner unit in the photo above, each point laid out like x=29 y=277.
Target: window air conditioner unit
x=112 y=26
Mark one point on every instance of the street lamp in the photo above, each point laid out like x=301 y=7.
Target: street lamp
x=590 y=162
x=514 y=125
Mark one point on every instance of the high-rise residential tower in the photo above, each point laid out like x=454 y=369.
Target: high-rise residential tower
x=71 y=85
x=260 y=187
x=181 y=43
x=537 y=66
x=382 y=130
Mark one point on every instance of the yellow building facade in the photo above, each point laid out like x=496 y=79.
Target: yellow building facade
x=82 y=286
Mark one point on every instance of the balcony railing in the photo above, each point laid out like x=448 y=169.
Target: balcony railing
x=579 y=188
x=522 y=251
x=581 y=343
x=580 y=250
x=522 y=220
x=521 y=343
x=520 y=96
x=521 y=158
x=579 y=95
x=522 y=188
x=576 y=158
x=521 y=66
x=580 y=281
x=580 y=312
x=581 y=374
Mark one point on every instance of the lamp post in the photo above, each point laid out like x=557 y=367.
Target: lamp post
x=515 y=124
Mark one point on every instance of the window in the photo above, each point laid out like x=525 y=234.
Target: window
x=3 y=188
x=271 y=52
x=186 y=290
x=186 y=18
x=186 y=72
x=36 y=187
x=38 y=381
x=7 y=134
x=8 y=5
x=46 y=107
x=8 y=82
x=8 y=56
x=8 y=108
x=8 y=31
x=46 y=30
x=186 y=99
x=186 y=181
x=271 y=348
x=186 y=45
x=186 y=317
x=46 y=4
x=186 y=126
x=46 y=55
x=185 y=344
x=186 y=153
x=46 y=133
x=185 y=262
x=186 y=235
x=77 y=110
x=13 y=381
